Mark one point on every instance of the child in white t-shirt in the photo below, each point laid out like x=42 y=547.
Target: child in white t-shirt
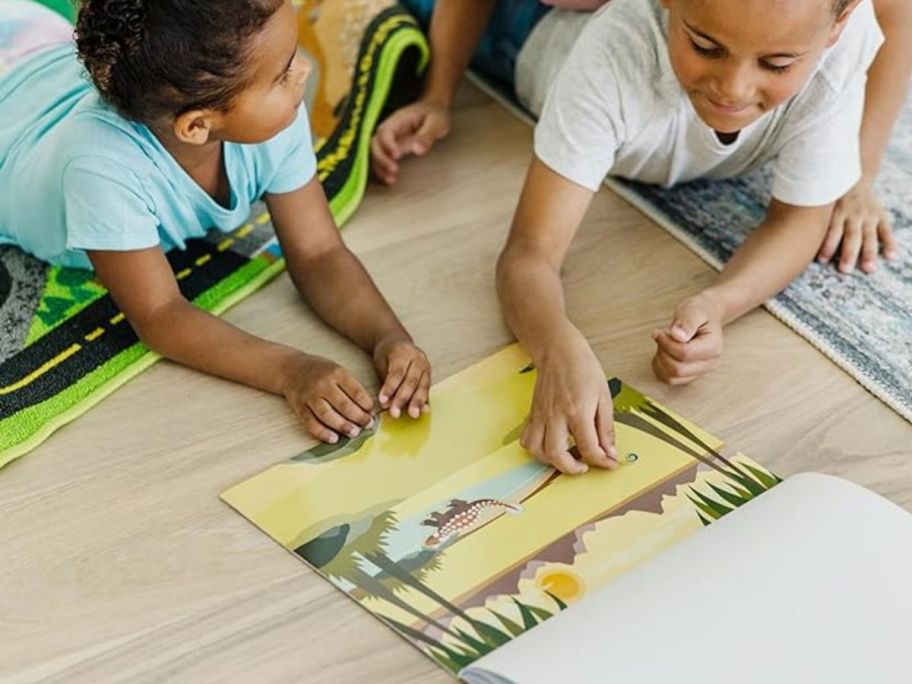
x=666 y=93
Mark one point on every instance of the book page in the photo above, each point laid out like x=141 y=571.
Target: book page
x=454 y=536
x=810 y=582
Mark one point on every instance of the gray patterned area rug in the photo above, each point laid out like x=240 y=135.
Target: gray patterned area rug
x=863 y=323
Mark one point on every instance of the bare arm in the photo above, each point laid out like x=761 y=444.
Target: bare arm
x=771 y=257
x=888 y=82
x=329 y=277
x=549 y=213
x=339 y=290
x=143 y=286
x=571 y=399
x=456 y=28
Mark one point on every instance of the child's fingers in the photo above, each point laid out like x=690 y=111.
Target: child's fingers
x=356 y=392
x=669 y=371
x=557 y=449
x=395 y=374
x=348 y=408
x=532 y=439
x=604 y=426
x=317 y=428
x=387 y=138
x=700 y=348
x=870 y=246
x=383 y=165
x=428 y=134
x=582 y=427
x=688 y=319
x=406 y=390
x=851 y=245
x=419 y=402
x=678 y=373
x=887 y=239
x=329 y=416
x=832 y=239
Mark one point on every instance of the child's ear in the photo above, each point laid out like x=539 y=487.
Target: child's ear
x=195 y=127
x=840 y=24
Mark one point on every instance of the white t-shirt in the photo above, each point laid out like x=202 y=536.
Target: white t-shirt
x=616 y=107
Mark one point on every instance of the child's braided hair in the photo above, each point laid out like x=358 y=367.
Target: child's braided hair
x=156 y=59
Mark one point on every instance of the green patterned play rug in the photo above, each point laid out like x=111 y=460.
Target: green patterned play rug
x=64 y=346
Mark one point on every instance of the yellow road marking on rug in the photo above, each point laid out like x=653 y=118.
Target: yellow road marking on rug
x=183 y=274
x=95 y=334
x=244 y=231
x=262 y=218
x=31 y=377
x=117 y=319
x=225 y=244
x=203 y=259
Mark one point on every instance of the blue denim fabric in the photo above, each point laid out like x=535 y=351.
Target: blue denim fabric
x=510 y=26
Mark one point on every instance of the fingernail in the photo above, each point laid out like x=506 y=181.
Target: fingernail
x=394 y=412
x=612 y=452
x=333 y=438
x=384 y=399
x=354 y=432
x=414 y=412
x=426 y=408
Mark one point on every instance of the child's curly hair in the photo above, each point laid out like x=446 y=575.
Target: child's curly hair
x=156 y=59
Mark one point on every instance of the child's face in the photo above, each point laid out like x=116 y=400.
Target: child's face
x=737 y=59
x=278 y=76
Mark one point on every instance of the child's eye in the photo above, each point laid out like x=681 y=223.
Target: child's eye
x=776 y=68
x=705 y=51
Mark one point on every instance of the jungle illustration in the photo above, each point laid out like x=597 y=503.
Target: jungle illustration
x=451 y=534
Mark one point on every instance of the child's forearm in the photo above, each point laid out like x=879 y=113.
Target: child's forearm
x=771 y=257
x=339 y=290
x=532 y=299
x=456 y=28
x=183 y=333
x=888 y=81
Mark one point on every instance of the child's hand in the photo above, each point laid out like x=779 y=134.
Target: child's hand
x=405 y=373
x=862 y=225
x=571 y=401
x=328 y=399
x=692 y=344
x=411 y=130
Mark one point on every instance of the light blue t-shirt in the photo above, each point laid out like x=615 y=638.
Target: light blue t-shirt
x=75 y=175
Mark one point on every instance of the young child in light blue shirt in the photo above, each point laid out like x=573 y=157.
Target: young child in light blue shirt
x=166 y=119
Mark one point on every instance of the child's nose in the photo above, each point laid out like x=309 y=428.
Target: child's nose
x=735 y=85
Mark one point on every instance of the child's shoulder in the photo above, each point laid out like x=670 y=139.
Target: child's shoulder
x=628 y=39
x=52 y=114
x=849 y=59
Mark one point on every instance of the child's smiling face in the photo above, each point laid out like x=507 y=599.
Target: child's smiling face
x=278 y=75
x=737 y=59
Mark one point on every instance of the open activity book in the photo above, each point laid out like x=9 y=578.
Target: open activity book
x=502 y=570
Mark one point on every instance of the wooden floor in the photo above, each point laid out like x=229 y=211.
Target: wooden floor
x=119 y=562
